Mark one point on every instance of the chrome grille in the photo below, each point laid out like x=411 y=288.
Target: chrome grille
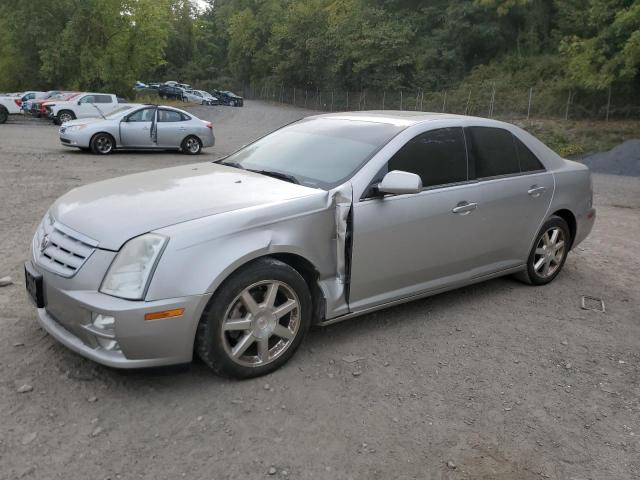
x=61 y=250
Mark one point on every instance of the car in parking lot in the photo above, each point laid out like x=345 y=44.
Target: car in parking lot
x=171 y=92
x=201 y=97
x=87 y=105
x=9 y=105
x=226 y=97
x=134 y=126
x=328 y=218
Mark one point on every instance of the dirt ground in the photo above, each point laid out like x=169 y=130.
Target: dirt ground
x=494 y=381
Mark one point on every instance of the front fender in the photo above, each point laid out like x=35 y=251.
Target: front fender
x=202 y=253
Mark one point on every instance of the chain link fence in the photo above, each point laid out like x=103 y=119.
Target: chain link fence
x=487 y=100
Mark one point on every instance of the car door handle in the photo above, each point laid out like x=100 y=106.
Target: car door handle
x=182 y=128
x=463 y=208
x=535 y=190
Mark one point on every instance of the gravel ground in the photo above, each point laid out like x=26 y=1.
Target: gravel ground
x=624 y=159
x=494 y=381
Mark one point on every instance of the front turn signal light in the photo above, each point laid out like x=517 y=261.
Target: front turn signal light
x=176 y=312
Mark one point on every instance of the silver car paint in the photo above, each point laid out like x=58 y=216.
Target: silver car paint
x=218 y=218
x=137 y=134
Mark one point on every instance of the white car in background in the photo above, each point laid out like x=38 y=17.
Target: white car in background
x=200 y=96
x=9 y=105
x=89 y=105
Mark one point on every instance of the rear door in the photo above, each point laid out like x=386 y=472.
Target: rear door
x=516 y=193
x=172 y=128
x=135 y=129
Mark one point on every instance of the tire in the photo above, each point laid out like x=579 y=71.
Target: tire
x=191 y=145
x=65 y=116
x=4 y=114
x=234 y=351
x=232 y=103
x=102 y=144
x=548 y=254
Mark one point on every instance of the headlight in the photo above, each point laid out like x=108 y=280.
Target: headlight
x=129 y=274
x=72 y=128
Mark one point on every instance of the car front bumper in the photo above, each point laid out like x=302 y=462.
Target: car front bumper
x=132 y=342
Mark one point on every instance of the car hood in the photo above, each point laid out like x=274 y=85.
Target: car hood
x=113 y=211
x=83 y=121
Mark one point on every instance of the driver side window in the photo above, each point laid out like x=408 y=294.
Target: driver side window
x=439 y=157
x=144 y=115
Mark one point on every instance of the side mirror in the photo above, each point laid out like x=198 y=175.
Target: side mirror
x=397 y=182
x=79 y=102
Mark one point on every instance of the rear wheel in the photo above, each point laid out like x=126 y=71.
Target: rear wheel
x=65 y=116
x=549 y=252
x=102 y=144
x=191 y=145
x=4 y=114
x=255 y=321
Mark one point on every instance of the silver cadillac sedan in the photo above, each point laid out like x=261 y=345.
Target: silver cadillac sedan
x=328 y=218
x=131 y=126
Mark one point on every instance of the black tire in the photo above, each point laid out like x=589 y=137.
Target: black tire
x=191 y=145
x=213 y=345
x=556 y=256
x=65 y=116
x=102 y=144
x=4 y=114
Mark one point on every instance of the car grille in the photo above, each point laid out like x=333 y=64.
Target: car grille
x=61 y=250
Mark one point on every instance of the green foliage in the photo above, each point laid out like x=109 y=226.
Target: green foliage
x=554 y=46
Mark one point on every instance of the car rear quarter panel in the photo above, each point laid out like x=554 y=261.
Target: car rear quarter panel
x=574 y=192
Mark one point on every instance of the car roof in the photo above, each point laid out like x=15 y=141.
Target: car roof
x=401 y=117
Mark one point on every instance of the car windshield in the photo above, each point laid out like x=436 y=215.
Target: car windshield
x=118 y=111
x=320 y=152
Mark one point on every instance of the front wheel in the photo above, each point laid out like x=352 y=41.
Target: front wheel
x=102 y=144
x=4 y=114
x=549 y=252
x=191 y=145
x=65 y=116
x=255 y=321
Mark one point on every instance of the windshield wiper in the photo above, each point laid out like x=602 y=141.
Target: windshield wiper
x=279 y=175
x=231 y=164
x=99 y=111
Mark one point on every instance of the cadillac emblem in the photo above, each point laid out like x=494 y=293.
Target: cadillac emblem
x=44 y=243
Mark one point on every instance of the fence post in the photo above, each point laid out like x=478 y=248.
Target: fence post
x=466 y=108
x=400 y=99
x=282 y=92
x=444 y=101
x=493 y=97
x=331 y=109
x=529 y=106
x=347 y=100
x=384 y=95
x=566 y=112
x=608 y=104
x=364 y=99
x=317 y=96
x=294 y=96
x=421 y=99
x=305 y=98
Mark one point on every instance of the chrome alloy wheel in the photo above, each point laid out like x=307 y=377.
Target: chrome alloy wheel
x=261 y=323
x=65 y=117
x=104 y=144
x=192 y=144
x=549 y=252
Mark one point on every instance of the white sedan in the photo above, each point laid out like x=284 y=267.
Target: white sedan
x=200 y=96
x=148 y=127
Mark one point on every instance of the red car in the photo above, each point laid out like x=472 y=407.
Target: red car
x=39 y=107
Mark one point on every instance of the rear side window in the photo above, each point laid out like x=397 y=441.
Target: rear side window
x=171 y=116
x=88 y=99
x=437 y=156
x=494 y=151
x=528 y=161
